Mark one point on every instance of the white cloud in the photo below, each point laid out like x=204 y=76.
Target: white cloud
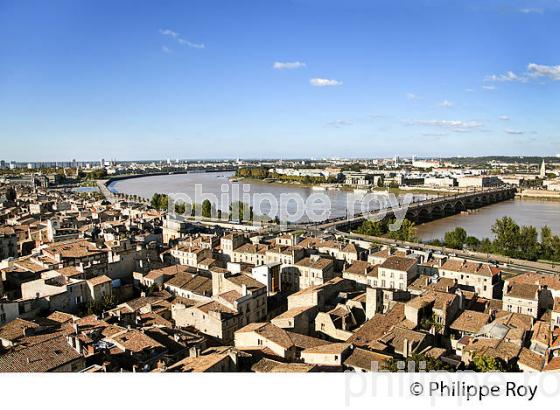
x=339 y=123
x=446 y=104
x=488 y=87
x=504 y=117
x=187 y=43
x=509 y=76
x=514 y=132
x=288 y=65
x=452 y=125
x=169 y=33
x=549 y=71
x=411 y=96
x=534 y=71
x=180 y=40
x=166 y=49
x=324 y=82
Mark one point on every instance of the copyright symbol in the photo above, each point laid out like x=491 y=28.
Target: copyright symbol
x=416 y=389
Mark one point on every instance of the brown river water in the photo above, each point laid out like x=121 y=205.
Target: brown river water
x=479 y=223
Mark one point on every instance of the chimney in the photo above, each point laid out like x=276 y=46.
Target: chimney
x=405 y=348
x=194 y=351
x=244 y=290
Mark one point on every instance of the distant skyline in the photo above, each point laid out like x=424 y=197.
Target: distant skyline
x=213 y=79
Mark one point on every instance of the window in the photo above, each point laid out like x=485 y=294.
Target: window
x=2 y=317
x=335 y=357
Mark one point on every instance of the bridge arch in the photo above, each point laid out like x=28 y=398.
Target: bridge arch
x=449 y=209
x=459 y=206
x=424 y=215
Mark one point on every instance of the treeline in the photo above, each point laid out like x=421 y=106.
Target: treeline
x=238 y=211
x=406 y=232
x=263 y=173
x=206 y=209
x=512 y=240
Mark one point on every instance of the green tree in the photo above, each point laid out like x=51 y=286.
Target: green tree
x=472 y=242
x=485 y=364
x=238 y=209
x=455 y=239
x=11 y=194
x=155 y=200
x=206 y=209
x=528 y=244
x=372 y=228
x=406 y=232
x=421 y=363
x=507 y=235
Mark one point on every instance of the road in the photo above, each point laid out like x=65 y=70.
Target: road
x=513 y=266
x=109 y=196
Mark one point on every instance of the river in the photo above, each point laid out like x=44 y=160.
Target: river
x=215 y=183
x=479 y=224
x=524 y=211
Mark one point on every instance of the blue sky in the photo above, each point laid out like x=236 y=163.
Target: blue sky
x=277 y=78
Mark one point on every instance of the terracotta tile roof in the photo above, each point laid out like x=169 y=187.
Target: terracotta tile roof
x=315 y=263
x=266 y=365
x=473 y=268
x=198 y=364
x=553 y=365
x=550 y=280
x=242 y=279
x=523 y=291
x=370 y=332
x=493 y=348
x=291 y=313
x=194 y=283
x=69 y=271
x=16 y=329
x=79 y=248
x=531 y=359
x=329 y=348
x=364 y=359
x=62 y=317
x=470 y=321
x=282 y=337
x=99 y=280
x=556 y=307
x=398 y=263
x=270 y=332
x=41 y=357
x=215 y=306
x=252 y=248
x=231 y=296
x=134 y=340
x=362 y=268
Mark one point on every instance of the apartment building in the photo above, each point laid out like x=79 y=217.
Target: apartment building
x=315 y=270
x=482 y=278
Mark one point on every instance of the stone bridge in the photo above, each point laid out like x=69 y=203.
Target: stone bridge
x=431 y=209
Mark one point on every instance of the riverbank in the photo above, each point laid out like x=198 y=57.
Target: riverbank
x=526 y=211
x=341 y=187
x=539 y=194
x=486 y=257
x=277 y=182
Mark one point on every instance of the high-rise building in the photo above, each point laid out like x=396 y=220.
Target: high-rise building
x=543 y=170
